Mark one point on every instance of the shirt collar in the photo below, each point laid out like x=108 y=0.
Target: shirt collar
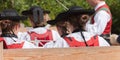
x=99 y=4
x=39 y=30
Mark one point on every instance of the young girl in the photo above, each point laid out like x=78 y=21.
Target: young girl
x=78 y=37
x=59 y=22
x=10 y=24
x=39 y=34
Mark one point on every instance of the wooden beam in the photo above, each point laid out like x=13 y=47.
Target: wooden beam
x=84 y=53
x=1 y=50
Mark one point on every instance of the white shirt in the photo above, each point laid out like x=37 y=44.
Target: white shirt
x=47 y=26
x=62 y=43
x=100 y=21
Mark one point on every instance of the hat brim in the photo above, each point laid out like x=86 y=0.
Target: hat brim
x=52 y=22
x=46 y=11
x=14 y=18
x=85 y=11
x=26 y=12
x=61 y=17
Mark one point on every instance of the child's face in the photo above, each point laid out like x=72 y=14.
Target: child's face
x=46 y=17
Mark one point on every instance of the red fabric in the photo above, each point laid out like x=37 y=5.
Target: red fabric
x=45 y=36
x=1 y=39
x=12 y=46
x=74 y=43
x=108 y=27
x=15 y=46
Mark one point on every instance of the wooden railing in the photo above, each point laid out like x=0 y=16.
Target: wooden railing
x=83 y=53
x=1 y=50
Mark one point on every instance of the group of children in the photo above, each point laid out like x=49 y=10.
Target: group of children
x=70 y=32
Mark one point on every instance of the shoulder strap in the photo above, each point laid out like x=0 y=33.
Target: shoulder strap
x=84 y=38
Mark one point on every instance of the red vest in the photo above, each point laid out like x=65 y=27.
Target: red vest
x=15 y=46
x=1 y=39
x=108 y=27
x=12 y=46
x=46 y=36
x=74 y=43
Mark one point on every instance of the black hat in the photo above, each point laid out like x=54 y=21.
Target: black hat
x=60 y=17
x=35 y=11
x=11 y=15
x=74 y=10
x=46 y=11
x=30 y=11
x=79 y=10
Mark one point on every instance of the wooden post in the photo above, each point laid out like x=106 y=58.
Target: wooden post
x=84 y=53
x=1 y=50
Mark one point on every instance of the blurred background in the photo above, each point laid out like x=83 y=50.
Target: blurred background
x=56 y=6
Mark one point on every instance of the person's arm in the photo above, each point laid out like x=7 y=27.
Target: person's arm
x=101 y=20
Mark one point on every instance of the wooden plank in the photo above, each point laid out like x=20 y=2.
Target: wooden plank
x=89 y=53
x=1 y=50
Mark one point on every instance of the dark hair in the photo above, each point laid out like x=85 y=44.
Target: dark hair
x=7 y=26
x=38 y=23
x=9 y=18
x=78 y=21
x=37 y=15
x=63 y=27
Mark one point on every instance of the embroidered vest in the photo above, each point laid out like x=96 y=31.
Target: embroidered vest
x=43 y=38
x=108 y=26
x=13 y=46
x=74 y=43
